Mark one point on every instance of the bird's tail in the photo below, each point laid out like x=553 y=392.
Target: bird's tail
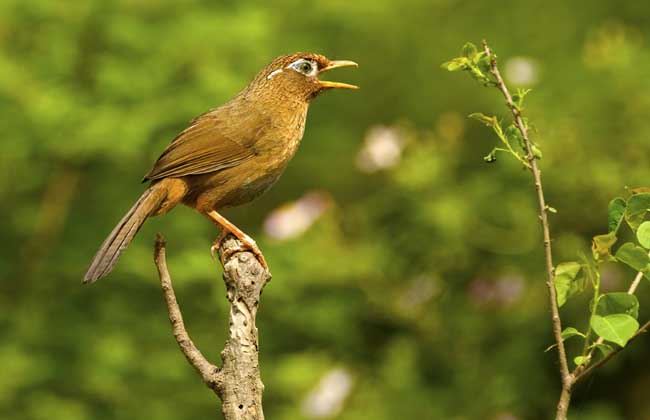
x=123 y=233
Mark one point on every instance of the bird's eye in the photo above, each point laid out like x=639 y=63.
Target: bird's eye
x=305 y=67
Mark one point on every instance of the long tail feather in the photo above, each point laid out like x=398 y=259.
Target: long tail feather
x=123 y=233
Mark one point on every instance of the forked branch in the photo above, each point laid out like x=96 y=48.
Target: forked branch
x=237 y=383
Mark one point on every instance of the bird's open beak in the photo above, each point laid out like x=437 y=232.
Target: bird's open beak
x=334 y=65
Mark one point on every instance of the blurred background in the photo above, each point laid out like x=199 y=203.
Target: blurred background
x=408 y=274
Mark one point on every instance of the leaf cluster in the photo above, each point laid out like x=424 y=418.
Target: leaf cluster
x=476 y=63
x=613 y=316
x=479 y=65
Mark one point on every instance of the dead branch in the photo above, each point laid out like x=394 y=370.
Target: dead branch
x=237 y=383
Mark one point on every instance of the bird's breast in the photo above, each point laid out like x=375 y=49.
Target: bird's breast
x=280 y=140
x=269 y=163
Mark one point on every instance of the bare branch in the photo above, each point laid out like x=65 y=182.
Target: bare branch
x=245 y=279
x=635 y=283
x=237 y=383
x=209 y=373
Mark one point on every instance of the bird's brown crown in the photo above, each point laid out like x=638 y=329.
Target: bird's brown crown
x=295 y=76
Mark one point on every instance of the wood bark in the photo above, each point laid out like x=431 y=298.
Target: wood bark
x=237 y=382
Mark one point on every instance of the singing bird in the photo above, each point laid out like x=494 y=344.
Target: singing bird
x=230 y=155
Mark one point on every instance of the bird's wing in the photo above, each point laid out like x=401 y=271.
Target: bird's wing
x=209 y=144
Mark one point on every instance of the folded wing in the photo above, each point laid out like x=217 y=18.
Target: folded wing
x=209 y=144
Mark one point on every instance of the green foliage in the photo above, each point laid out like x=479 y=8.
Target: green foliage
x=643 y=234
x=613 y=316
x=475 y=62
x=567 y=282
x=636 y=209
x=617 y=328
x=601 y=246
x=580 y=360
x=615 y=213
x=478 y=64
x=571 y=332
x=618 y=303
x=634 y=256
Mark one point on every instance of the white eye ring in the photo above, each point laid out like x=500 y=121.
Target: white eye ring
x=304 y=66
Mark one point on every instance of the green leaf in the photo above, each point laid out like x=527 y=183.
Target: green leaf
x=618 y=303
x=537 y=152
x=489 y=121
x=615 y=213
x=469 y=50
x=635 y=220
x=601 y=246
x=459 y=63
x=637 y=206
x=634 y=256
x=617 y=328
x=643 y=234
x=567 y=333
x=579 y=360
x=564 y=280
x=571 y=332
x=478 y=58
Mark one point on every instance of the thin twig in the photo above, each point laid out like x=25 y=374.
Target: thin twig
x=209 y=372
x=635 y=283
x=567 y=377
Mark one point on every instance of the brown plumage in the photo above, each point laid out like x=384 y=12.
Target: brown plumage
x=230 y=155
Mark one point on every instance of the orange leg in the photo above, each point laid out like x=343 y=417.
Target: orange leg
x=228 y=228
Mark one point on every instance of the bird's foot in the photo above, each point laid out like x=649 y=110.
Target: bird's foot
x=249 y=244
x=214 y=249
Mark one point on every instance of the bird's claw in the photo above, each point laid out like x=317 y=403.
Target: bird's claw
x=214 y=249
x=249 y=244
x=260 y=257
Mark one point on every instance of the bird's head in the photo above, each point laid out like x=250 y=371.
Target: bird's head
x=296 y=75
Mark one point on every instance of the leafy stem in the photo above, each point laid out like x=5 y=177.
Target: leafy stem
x=613 y=317
x=482 y=66
x=585 y=369
x=515 y=109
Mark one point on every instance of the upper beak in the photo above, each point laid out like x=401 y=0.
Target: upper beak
x=333 y=65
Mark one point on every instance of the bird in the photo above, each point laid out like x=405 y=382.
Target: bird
x=230 y=155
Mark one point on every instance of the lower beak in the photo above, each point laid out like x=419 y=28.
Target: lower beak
x=334 y=65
